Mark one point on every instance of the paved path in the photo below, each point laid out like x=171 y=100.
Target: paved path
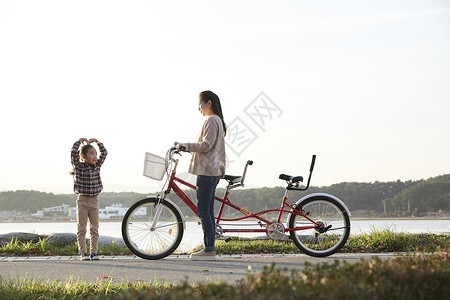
x=173 y=269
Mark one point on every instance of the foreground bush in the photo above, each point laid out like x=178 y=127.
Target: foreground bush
x=403 y=277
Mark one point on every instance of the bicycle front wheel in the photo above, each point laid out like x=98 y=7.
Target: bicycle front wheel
x=152 y=229
x=332 y=229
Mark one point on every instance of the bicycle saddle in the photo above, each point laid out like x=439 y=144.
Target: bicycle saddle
x=291 y=179
x=233 y=179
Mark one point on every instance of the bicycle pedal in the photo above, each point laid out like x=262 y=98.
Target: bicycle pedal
x=226 y=238
x=287 y=237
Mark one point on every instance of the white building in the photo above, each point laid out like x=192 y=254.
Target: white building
x=64 y=210
x=117 y=211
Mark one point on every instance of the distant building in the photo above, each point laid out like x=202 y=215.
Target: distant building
x=439 y=214
x=116 y=211
x=61 y=210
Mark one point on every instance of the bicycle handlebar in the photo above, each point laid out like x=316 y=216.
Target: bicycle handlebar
x=311 y=168
x=182 y=148
x=312 y=163
x=241 y=182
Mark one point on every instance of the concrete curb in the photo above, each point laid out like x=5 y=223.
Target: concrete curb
x=134 y=257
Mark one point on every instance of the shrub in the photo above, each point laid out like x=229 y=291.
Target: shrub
x=402 y=277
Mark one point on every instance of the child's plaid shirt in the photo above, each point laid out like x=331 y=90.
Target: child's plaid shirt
x=86 y=178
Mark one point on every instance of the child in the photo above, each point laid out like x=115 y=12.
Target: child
x=87 y=184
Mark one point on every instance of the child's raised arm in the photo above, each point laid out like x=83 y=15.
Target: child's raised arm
x=103 y=151
x=74 y=154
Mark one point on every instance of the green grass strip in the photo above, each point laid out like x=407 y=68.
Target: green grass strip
x=374 y=242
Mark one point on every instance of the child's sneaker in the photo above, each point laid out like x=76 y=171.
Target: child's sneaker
x=85 y=256
x=203 y=255
x=94 y=256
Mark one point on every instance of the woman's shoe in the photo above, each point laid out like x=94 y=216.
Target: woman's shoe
x=203 y=255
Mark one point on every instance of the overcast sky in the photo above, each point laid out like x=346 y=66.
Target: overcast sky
x=364 y=85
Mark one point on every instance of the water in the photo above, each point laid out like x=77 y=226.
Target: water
x=193 y=234
x=113 y=229
x=404 y=225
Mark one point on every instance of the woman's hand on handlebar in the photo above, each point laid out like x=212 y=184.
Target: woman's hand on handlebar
x=179 y=147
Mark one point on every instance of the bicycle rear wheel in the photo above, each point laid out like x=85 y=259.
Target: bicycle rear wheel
x=150 y=243
x=319 y=241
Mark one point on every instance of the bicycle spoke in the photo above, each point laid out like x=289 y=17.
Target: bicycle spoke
x=339 y=228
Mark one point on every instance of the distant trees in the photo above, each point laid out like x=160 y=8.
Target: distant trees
x=30 y=200
x=366 y=196
x=369 y=199
x=424 y=196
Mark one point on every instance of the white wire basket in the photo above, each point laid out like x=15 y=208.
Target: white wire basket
x=154 y=166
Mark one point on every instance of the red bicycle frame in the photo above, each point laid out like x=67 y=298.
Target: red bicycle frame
x=225 y=201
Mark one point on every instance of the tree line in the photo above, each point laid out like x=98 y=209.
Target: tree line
x=394 y=198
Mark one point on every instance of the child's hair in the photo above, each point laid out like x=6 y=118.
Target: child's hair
x=84 y=150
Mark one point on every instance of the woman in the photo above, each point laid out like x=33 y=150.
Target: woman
x=208 y=163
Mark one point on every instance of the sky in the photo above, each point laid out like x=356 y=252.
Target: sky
x=364 y=85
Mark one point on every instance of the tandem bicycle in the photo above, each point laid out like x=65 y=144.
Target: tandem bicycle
x=152 y=228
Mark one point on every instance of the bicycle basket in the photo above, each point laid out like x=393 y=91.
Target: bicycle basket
x=154 y=166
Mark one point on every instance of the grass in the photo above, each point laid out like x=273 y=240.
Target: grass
x=389 y=241
x=29 y=288
x=374 y=242
x=403 y=277
x=18 y=248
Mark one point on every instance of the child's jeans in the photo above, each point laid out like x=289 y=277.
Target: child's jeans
x=87 y=209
